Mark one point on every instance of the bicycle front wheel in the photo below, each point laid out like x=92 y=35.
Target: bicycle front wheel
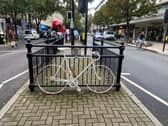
x=51 y=79
x=100 y=79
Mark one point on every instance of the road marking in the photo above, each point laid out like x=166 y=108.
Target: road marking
x=12 y=52
x=12 y=78
x=146 y=91
x=125 y=74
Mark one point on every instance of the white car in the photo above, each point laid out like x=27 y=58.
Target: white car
x=98 y=36
x=109 y=35
x=31 y=34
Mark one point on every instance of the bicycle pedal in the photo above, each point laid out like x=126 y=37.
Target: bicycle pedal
x=71 y=86
x=78 y=89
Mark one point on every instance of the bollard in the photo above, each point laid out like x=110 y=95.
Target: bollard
x=29 y=56
x=121 y=57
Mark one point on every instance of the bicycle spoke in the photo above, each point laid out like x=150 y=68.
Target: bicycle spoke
x=102 y=79
x=50 y=81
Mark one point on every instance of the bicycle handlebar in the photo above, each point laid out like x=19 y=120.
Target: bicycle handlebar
x=97 y=54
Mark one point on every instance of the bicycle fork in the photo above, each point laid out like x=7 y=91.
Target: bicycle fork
x=73 y=82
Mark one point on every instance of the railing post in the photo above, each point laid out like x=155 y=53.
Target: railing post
x=102 y=44
x=101 y=50
x=47 y=50
x=121 y=57
x=30 y=65
x=93 y=44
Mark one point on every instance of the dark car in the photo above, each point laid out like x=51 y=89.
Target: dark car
x=1 y=37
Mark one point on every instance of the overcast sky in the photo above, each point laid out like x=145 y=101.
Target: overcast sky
x=93 y=5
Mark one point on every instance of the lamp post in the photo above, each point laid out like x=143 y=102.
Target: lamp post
x=72 y=22
x=6 y=3
x=127 y=21
x=86 y=26
x=86 y=22
x=165 y=36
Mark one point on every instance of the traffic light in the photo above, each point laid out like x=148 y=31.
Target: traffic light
x=83 y=6
x=69 y=15
x=166 y=16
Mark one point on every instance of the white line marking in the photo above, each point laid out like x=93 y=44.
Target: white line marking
x=146 y=91
x=12 y=78
x=12 y=52
x=6 y=54
x=139 y=103
x=125 y=74
x=12 y=100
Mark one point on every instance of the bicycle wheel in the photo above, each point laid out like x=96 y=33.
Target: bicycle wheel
x=51 y=79
x=99 y=79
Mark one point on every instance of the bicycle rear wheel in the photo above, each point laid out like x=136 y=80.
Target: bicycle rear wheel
x=51 y=79
x=99 y=79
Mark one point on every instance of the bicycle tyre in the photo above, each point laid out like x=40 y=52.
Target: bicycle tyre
x=48 y=85
x=100 y=81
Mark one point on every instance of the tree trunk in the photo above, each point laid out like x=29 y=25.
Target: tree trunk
x=15 y=14
x=29 y=18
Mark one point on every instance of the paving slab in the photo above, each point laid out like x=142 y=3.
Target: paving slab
x=71 y=108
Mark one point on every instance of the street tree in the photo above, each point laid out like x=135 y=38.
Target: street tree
x=35 y=9
x=66 y=6
x=123 y=11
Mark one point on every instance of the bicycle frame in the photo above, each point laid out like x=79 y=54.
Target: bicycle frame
x=69 y=71
x=72 y=80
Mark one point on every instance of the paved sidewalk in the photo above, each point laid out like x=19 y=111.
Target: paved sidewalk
x=73 y=109
x=156 y=47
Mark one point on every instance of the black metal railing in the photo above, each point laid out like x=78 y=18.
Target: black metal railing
x=119 y=53
x=51 y=54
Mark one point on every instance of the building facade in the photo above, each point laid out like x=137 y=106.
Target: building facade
x=153 y=26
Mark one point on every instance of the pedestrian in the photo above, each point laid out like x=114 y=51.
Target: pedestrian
x=140 y=39
x=4 y=40
x=68 y=35
x=12 y=38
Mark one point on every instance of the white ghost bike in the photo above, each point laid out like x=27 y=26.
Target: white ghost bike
x=52 y=79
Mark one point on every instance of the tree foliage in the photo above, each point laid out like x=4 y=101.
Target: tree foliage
x=36 y=9
x=67 y=7
x=117 y=11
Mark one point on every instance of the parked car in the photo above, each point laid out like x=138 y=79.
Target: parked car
x=43 y=34
x=31 y=34
x=109 y=35
x=97 y=36
x=60 y=35
x=1 y=37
